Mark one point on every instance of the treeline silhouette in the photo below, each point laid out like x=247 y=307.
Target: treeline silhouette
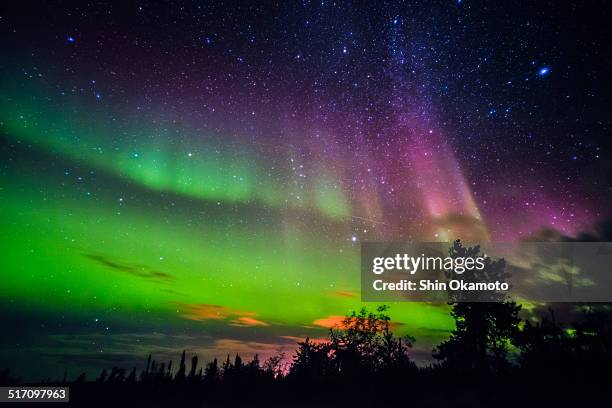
x=492 y=358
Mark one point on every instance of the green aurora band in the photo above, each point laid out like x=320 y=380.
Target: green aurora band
x=133 y=229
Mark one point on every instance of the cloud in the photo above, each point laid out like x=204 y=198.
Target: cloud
x=92 y=352
x=344 y=293
x=236 y=317
x=141 y=271
x=247 y=321
x=330 y=322
x=233 y=346
x=602 y=232
x=205 y=311
x=337 y=322
x=296 y=339
x=470 y=228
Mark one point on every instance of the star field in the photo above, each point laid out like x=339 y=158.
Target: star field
x=174 y=172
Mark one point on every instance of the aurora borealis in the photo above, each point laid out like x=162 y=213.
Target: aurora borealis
x=201 y=175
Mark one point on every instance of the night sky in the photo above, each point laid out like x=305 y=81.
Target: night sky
x=201 y=175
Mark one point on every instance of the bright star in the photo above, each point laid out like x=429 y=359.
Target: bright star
x=544 y=71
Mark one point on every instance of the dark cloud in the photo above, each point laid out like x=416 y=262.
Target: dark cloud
x=601 y=232
x=141 y=271
x=567 y=313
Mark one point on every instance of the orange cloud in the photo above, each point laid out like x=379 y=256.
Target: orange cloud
x=248 y=321
x=206 y=311
x=330 y=322
x=345 y=293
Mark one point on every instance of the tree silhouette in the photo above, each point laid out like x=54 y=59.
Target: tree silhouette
x=311 y=361
x=365 y=343
x=484 y=329
x=362 y=345
x=546 y=346
x=131 y=378
x=274 y=365
x=227 y=366
x=194 y=365
x=362 y=358
x=237 y=363
x=180 y=374
x=103 y=376
x=211 y=373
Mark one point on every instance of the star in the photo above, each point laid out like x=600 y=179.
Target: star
x=543 y=71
